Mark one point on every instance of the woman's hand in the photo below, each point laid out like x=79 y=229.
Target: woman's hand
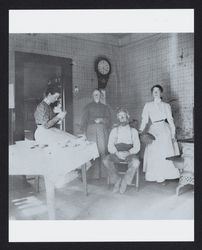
x=173 y=138
x=139 y=131
x=57 y=109
x=62 y=115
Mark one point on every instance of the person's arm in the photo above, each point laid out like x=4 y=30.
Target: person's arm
x=145 y=118
x=170 y=119
x=136 y=142
x=84 y=119
x=111 y=142
x=42 y=117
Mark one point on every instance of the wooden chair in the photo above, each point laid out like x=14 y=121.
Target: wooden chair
x=123 y=166
x=185 y=164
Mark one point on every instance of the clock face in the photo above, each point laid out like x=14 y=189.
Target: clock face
x=103 y=67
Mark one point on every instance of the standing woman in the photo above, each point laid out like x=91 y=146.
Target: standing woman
x=155 y=165
x=95 y=124
x=46 y=120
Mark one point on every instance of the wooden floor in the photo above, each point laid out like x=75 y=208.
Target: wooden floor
x=153 y=201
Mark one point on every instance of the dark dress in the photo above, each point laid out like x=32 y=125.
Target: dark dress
x=97 y=132
x=46 y=121
x=45 y=116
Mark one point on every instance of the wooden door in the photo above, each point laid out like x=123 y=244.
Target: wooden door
x=32 y=72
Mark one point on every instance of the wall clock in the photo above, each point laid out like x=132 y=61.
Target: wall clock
x=103 y=70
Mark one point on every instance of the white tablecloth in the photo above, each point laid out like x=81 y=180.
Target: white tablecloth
x=53 y=161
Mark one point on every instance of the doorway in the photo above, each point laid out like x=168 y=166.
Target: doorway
x=32 y=72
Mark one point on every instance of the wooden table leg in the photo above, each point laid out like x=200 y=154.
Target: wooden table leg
x=83 y=169
x=50 y=198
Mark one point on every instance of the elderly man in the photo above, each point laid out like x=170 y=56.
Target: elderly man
x=123 y=145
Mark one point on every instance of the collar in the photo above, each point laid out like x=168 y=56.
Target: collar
x=157 y=100
x=124 y=124
x=46 y=100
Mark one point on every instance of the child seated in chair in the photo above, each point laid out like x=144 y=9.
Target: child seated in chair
x=123 y=145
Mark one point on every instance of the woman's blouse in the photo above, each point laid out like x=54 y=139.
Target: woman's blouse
x=156 y=111
x=45 y=116
x=93 y=111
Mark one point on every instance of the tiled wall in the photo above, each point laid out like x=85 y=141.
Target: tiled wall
x=136 y=66
x=165 y=59
x=83 y=50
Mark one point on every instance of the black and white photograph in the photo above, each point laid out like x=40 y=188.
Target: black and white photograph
x=101 y=125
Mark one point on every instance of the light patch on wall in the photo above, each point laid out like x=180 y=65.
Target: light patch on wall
x=11 y=96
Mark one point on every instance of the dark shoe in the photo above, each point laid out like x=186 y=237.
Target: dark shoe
x=123 y=186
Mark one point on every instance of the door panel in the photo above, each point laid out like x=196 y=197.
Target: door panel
x=32 y=74
x=35 y=82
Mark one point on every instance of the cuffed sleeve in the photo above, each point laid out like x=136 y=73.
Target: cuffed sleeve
x=170 y=119
x=50 y=123
x=136 y=142
x=42 y=116
x=145 y=117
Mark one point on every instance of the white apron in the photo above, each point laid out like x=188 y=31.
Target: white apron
x=155 y=165
x=47 y=136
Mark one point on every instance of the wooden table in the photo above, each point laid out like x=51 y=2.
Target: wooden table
x=52 y=162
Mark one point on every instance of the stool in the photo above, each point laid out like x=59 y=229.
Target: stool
x=123 y=166
x=187 y=173
x=185 y=179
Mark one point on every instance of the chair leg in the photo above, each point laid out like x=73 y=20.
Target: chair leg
x=99 y=171
x=137 y=179
x=108 y=181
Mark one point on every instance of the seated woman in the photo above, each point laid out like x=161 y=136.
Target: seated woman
x=46 y=119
